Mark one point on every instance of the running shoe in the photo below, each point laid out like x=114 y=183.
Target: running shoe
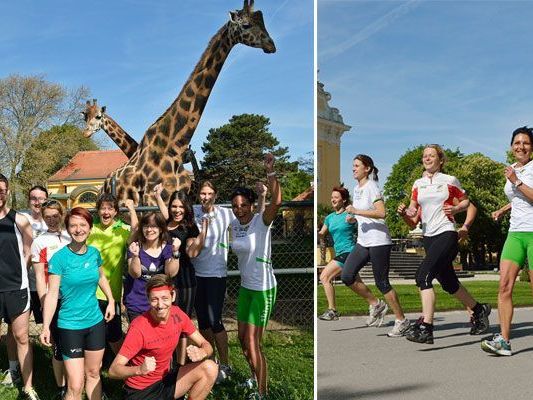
x=400 y=328
x=329 y=315
x=480 y=322
x=30 y=394
x=224 y=372
x=498 y=345
x=249 y=383
x=376 y=313
x=420 y=334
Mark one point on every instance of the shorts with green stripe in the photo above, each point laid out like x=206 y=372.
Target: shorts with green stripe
x=255 y=306
x=518 y=246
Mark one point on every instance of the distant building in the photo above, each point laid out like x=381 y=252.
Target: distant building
x=78 y=182
x=330 y=128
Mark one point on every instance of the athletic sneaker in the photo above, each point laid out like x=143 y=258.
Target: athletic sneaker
x=400 y=328
x=224 y=372
x=376 y=313
x=10 y=378
x=249 y=383
x=30 y=394
x=480 y=322
x=498 y=345
x=420 y=334
x=329 y=315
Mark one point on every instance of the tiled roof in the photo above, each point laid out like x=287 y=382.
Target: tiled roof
x=307 y=194
x=90 y=165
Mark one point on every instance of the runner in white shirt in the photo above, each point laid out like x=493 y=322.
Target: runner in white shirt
x=519 y=243
x=373 y=244
x=211 y=272
x=42 y=250
x=251 y=234
x=432 y=201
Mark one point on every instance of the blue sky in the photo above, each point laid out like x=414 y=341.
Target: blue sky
x=405 y=73
x=135 y=55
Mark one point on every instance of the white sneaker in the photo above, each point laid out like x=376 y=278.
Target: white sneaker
x=376 y=313
x=399 y=329
x=224 y=372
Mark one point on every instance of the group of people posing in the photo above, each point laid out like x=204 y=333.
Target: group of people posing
x=160 y=268
x=435 y=199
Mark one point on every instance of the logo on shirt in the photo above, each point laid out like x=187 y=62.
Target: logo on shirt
x=86 y=265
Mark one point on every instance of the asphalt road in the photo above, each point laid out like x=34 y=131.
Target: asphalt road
x=359 y=362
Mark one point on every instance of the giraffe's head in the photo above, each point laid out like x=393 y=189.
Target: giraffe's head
x=246 y=26
x=93 y=117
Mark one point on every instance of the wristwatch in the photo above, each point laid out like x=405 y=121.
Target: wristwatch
x=517 y=183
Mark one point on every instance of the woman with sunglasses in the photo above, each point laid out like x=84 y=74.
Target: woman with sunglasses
x=42 y=250
x=74 y=273
x=150 y=253
x=251 y=234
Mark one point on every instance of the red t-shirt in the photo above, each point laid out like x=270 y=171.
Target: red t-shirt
x=148 y=338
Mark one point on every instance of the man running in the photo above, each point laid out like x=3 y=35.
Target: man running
x=15 y=243
x=145 y=356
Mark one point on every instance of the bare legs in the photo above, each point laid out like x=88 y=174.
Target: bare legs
x=362 y=290
x=508 y=273
x=327 y=275
x=392 y=298
x=250 y=338
x=84 y=370
x=19 y=327
x=197 y=379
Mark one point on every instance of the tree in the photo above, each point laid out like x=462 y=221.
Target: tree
x=233 y=153
x=49 y=151
x=397 y=188
x=295 y=183
x=29 y=105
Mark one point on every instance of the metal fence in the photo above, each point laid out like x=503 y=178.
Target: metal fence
x=292 y=259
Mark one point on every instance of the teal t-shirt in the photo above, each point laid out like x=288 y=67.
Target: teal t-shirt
x=79 y=280
x=341 y=231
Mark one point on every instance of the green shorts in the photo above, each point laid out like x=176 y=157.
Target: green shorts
x=518 y=246
x=255 y=306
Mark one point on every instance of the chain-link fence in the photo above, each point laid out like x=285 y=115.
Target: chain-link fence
x=292 y=259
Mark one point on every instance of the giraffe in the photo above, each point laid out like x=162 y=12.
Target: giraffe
x=96 y=119
x=159 y=156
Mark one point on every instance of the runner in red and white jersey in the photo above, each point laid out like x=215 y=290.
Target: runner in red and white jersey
x=435 y=199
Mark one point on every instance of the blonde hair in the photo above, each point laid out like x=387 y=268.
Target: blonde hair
x=440 y=153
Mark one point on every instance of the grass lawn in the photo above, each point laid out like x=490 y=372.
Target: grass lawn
x=290 y=364
x=348 y=303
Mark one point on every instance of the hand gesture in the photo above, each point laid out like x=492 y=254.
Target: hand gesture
x=109 y=311
x=176 y=243
x=130 y=205
x=411 y=212
x=449 y=210
x=401 y=208
x=462 y=232
x=351 y=210
x=496 y=215
x=134 y=249
x=260 y=188
x=351 y=219
x=195 y=353
x=269 y=162
x=158 y=189
x=148 y=365
x=45 y=336
x=510 y=174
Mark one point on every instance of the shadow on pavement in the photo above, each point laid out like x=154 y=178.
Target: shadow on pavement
x=335 y=393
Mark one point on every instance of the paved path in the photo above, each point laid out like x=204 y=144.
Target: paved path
x=359 y=362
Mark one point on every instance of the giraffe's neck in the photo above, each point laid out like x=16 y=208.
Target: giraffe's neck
x=173 y=131
x=125 y=142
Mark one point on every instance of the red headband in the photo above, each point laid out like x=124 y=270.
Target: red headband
x=159 y=288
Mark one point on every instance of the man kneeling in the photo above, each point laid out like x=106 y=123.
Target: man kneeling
x=145 y=356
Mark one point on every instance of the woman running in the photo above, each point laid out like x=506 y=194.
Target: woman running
x=251 y=234
x=519 y=243
x=342 y=233
x=374 y=244
x=75 y=272
x=432 y=202
x=42 y=250
x=149 y=254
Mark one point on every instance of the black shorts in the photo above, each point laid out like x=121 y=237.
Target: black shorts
x=341 y=258
x=36 y=307
x=210 y=296
x=74 y=342
x=54 y=332
x=14 y=303
x=113 y=328
x=161 y=390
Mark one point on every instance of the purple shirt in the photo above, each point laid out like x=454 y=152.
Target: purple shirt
x=135 y=289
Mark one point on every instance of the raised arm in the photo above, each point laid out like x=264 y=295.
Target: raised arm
x=275 y=203
x=134 y=219
x=158 y=189
x=261 y=190
x=172 y=265
x=196 y=244
x=134 y=262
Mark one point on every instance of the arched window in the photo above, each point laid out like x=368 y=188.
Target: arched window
x=87 y=197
